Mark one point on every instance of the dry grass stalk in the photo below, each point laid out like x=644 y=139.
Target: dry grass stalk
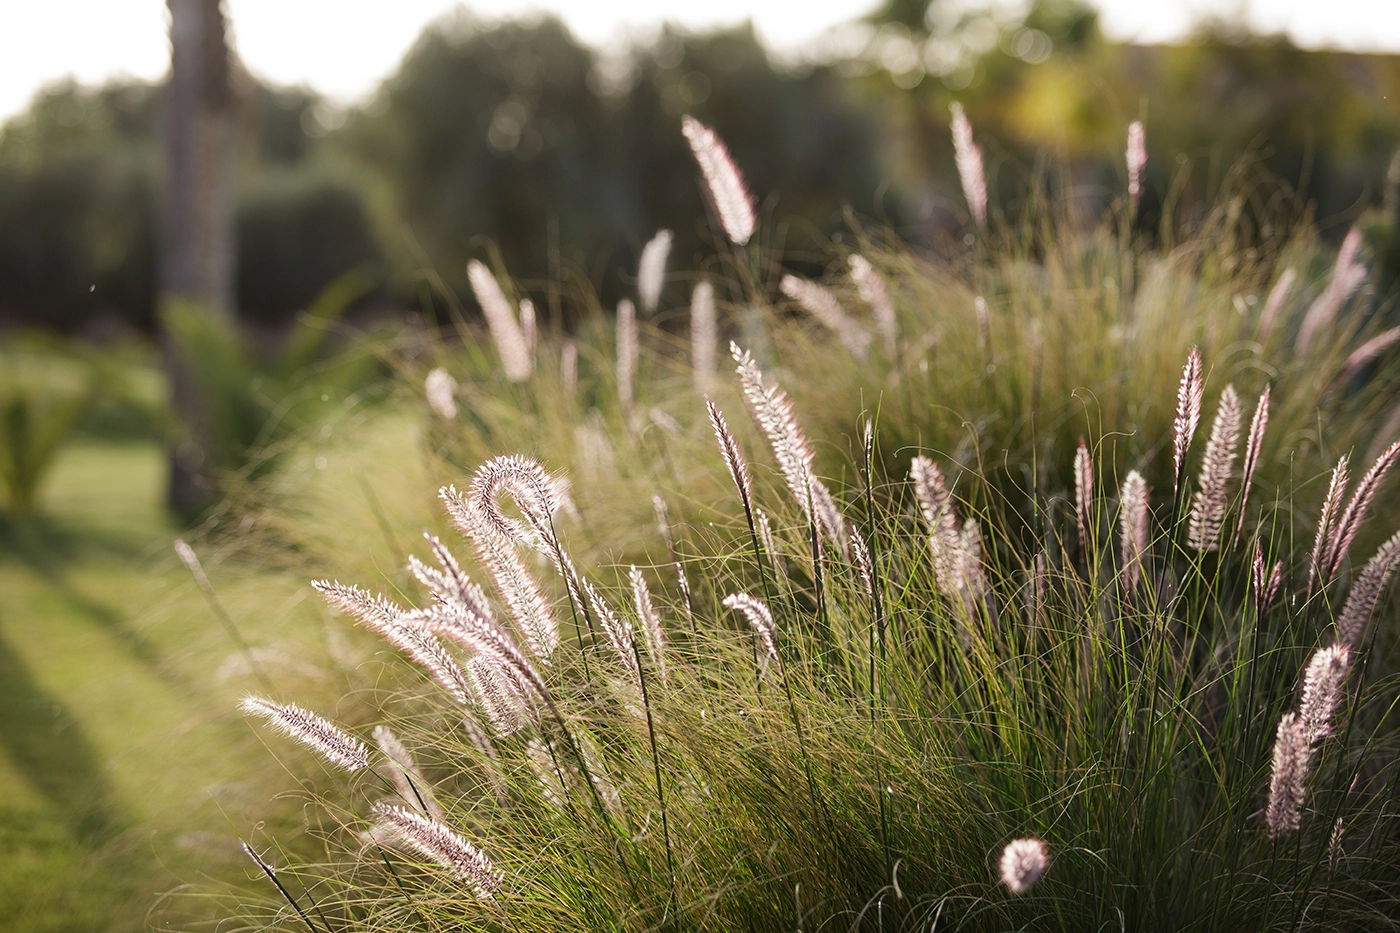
x=1368 y=351
x=568 y=368
x=1331 y=504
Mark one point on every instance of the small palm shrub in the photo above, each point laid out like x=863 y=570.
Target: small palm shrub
x=1130 y=680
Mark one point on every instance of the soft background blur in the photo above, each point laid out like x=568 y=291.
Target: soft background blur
x=368 y=157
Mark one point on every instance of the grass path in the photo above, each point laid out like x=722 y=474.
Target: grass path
x=118 y=739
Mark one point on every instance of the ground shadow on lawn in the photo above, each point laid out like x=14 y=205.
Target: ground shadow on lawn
x=48 y=745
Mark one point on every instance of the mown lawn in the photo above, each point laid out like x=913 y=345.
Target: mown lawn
x=120 y=750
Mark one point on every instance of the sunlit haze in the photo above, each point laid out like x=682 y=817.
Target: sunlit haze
x=344 y=48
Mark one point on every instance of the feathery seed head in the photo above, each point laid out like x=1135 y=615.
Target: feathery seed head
x=441 y=391
x=1274 y=303
x=1324 y=543
x=1136 y=158
x=1368 y=351
x=1023 y=863
x=968 y=156
x=1322 y=690
x=651 y=270
x=1133 y=520
x=1083 y=492
x=320 y=735
x=1211 y=498
x=876 y=296
x=1292 y=758
x=1347 y=276
x=1253 y=447
x=443 y=846
x=498 y=696
x=726 y=185
x=704 y=334
x=500 y=319
x=729 y=450
x=1188 y=412
x=627 y=352
x=1357 y=508
x=529 y=328
x=373 y=612
x=403 y=770
x=1367 y=591
x=822 y=305
x=756 y=611
x=651 y=621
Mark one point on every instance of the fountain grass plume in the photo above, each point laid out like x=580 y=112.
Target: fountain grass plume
x=627 y=353
x=1347 y=276
x=1254 y=446
x=1212 y=494
x=1083 y=495
x=650 y=621
x=772 y=410
x=1188 y=413
x=968 y=156
x=876 y=295
x=1367 y=352
x=1292 y=758
x=500 y=319
x=403 y=770
x=1023 y=863
x=528 y=606
x=1319 y=563
x=823 y=305
x=1322 y=690
x=320 y=735
x=1340 y=539
x=1136 y=159
x=704 y=335
x=1367 y=591
x=758 y=615
x=1274 y=303
x=1134 y=517
x=728 y=193
x=442 y=845
x=651 y=270
x=440 y=389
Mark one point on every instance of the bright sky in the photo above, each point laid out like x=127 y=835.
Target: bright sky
x=344 y=47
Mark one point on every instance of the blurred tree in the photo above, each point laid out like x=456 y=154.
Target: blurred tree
x=515 y=134
x=197 y=226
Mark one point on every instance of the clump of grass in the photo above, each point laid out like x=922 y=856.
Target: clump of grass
x=924 y=689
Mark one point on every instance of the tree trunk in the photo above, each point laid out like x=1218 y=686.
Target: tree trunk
x=197 y=235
